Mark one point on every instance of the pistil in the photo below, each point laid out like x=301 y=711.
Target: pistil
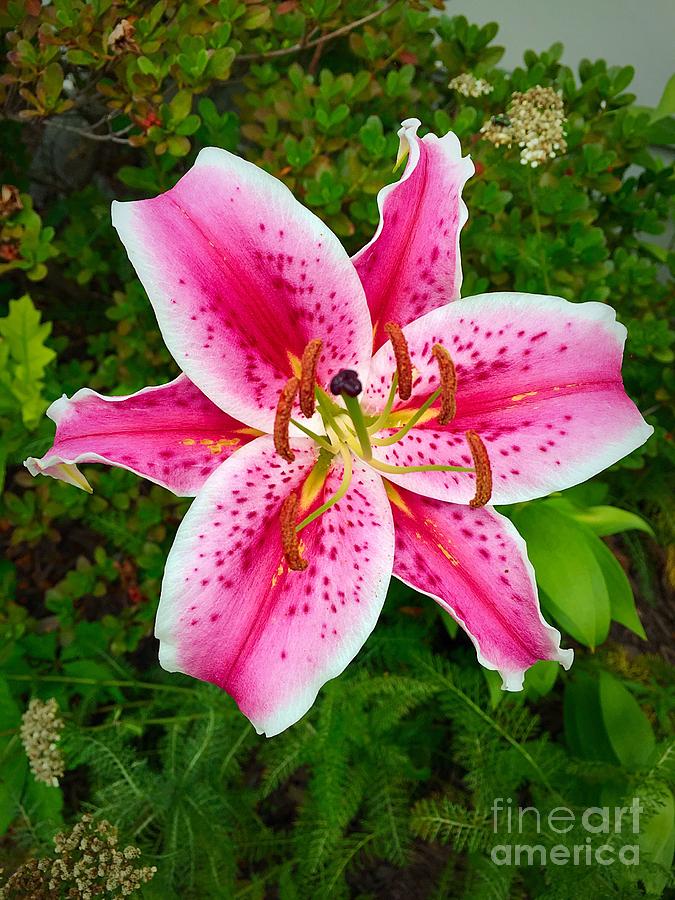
x=346 y=383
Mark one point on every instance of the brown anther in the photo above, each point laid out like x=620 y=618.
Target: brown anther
x=403 y=361
x=310 y=359
x=448 y=375
x=289 y=536
x=282 y=420
x=481 y=462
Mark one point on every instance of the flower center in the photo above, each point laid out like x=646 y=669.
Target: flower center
x=349 y=430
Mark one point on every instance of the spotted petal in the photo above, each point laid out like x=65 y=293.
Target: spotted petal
x=412 y=264
x=233 y=614
x=242 y=277
x=474 y=564
x=171 y=434
x=538 y=378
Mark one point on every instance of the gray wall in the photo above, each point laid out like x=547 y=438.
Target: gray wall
x=640 y=33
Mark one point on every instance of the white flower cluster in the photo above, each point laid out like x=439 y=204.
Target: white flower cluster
x=535 y=121
x=41 y=727
x=88 y=864
x=469 y=86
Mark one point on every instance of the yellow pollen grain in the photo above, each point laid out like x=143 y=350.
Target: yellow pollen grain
x=188 y=442
x=206 y=441
x=277 y=575
x=448 y=555
x=518 y=397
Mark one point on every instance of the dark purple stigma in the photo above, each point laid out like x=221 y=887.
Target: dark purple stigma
x=346 y=382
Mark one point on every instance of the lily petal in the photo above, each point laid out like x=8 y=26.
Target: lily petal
x=241 y=277
x=412 y=264
x=170 y=434
x=538 y=378
x=474 y=564
x=233 y=614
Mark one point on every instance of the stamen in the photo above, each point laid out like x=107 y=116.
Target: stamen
x=339 y=493
x=289 y=536
x=403 y=361
x=448 y=384
x=310 y=359
x=283 y=419
x=481 y=462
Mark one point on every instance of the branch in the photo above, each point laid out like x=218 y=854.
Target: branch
x=86 y=134
x=344 y=29
x=111 y=136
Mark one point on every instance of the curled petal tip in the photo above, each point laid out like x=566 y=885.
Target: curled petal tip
x=565 y=658
x=67 y=472
x=404 y=140
x=512 y=681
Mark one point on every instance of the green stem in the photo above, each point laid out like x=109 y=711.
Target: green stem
x=104 y=682
x=537 y=228
x=337 y=496
x=356 y=415
x=397 y=435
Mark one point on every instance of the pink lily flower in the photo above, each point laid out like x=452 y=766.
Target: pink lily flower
x=372 y=421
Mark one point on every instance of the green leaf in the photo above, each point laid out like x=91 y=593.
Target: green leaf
x=13 y=762
x=178 y=145
x=52 y=82
x=494 y=683
x=220 y=63
x=627 y=727
x=180 y=106
x=666 y=106
x=621 y=599
x=28 y=355
x=146 y=66
x=43 y=803
x=606 y=520
x=657 y=844
x=567 y=570
x=585 y=733
x=540 y=678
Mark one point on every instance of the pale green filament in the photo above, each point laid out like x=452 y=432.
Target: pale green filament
x=338 y=495
x=322 y=442
x=397 y=435
x=402 y=470
x=384 y=415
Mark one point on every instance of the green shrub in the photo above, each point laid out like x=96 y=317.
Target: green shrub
x=388 y=783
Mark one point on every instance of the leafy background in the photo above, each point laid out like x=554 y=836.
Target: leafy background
x=384 y=789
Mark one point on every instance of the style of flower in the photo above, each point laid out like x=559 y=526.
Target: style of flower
x=339 y=419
